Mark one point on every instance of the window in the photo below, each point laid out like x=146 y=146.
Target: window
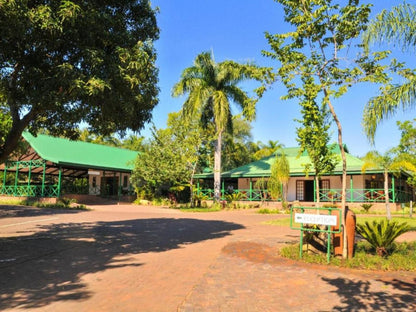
x=324 y=185
x=300 y=190
x=125 y=181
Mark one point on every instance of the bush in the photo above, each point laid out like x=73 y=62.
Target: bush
x=382 y=234
x=366 y=207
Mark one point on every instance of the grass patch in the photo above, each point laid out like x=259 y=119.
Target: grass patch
x=403 y=258
x=62 y=203
x=59 y=206
x=268 y=211
x=285 y=221
x=208 y=209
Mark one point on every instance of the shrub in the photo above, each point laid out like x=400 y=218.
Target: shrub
x=366 y=207
x=381 y=234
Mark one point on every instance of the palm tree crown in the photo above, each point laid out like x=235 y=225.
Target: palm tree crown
x=210 y=87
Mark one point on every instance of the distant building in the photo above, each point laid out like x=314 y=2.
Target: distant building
x=361 y=187
x=53 y=167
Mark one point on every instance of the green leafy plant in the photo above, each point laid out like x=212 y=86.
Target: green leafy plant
x=198 y=198
x=366 y=207
x=382 y=234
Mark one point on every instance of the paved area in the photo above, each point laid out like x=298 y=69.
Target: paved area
x=137 y=258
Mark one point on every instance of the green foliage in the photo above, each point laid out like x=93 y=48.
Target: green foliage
x=268 y=211
x=66 y=62
x=403 y=258
x=397 y=27
x=366 y=207
x=209 y=87
x=170 y=159
x=233 y=197
x=279 y=176
x=382 y=234
x=388 y=162
x=315 y=52
x=264 y=150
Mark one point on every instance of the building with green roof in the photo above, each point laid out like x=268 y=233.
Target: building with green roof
x=52 y=166
x=366 y=187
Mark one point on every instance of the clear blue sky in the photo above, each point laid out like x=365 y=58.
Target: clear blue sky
x=234 y=29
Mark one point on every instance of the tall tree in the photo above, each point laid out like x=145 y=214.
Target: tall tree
x=63 y=62
x=399 y=28
x=318 y=46
x=313 y=135
x=210 y=87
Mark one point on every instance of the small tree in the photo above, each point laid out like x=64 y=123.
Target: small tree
x=170 y=159
x=279 y=177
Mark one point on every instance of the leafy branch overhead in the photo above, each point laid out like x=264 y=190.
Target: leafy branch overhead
x=66 y=62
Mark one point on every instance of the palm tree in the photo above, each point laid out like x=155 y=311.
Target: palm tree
x=210 y=87
x=267 y=149
x=386 y=162
x=396 y=26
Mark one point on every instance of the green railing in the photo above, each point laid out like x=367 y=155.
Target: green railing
x=31 y=190
x=365 y=195
x=53 y=190
x=326 y=195
x=246 y=194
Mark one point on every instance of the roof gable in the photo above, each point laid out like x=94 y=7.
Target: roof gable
x=81 y=154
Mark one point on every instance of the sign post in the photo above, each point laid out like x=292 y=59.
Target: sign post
x=298 y=215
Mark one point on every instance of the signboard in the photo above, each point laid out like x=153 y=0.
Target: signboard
x=92 y=172
x=315 y=219
x=298 y=215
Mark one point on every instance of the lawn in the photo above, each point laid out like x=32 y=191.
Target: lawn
x=360 y=219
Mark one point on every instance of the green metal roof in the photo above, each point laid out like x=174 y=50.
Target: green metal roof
x=80 y=154
x=261 y=168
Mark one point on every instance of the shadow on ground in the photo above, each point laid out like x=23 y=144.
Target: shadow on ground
x=360 y=295
x=15 y=211
x=47 y=266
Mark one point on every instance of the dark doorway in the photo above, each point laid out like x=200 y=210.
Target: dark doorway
x=309 y=190
x=109 y=186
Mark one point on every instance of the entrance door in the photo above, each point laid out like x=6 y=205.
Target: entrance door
x=304 y=190
x=309 y=190
x=109 y=186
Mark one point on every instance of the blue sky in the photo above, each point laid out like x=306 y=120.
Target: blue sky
x=234 y=29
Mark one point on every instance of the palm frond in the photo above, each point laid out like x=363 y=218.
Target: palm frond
x=396 y=26
x=385 y=105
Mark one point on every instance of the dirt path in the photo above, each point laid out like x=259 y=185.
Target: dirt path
x=135 y=258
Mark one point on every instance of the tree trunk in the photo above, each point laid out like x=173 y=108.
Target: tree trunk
x=217 y=168
x=344 y=177
x=318 y=200
x=13 y=137
x=386 y=193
